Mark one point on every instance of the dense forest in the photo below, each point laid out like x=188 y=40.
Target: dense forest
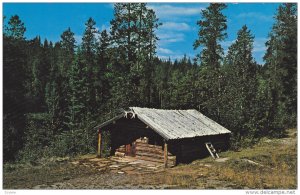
x=55 y=93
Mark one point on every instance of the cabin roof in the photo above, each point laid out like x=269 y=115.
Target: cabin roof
x=174 y=124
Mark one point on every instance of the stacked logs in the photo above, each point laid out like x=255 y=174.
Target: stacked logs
x=120 y=152
x=152 y=153
x=148 y=152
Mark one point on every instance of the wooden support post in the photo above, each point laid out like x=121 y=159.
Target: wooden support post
x=166 y=154
x=99 y=144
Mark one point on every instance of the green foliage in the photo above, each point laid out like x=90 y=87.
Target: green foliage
x=15 y=28
x=106 y=144
x=38 y=136
x=75 y=96
x=70 y=143
x=281 y=68
x=65 y=89
x=212 y=30
x=240 y=88
x=14 y=75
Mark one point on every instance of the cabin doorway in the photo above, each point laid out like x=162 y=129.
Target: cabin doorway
x=130 y=149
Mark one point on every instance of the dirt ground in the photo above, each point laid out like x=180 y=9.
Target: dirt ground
x=270 y=164
x=131 y=173
x=89 y=172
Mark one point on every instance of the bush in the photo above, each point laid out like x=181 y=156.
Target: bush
x=73 y=142
x=106 y=144
x=38 y=136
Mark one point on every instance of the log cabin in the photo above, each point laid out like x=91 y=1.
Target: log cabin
x=163 y=136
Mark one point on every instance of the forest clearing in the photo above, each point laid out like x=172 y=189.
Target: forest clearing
x=270 y=164
x=75 y=89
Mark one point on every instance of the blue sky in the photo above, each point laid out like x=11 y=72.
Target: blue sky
x=177 y=34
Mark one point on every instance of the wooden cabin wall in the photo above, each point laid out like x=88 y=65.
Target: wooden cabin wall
x=149 y=152
x=187 y=150
x=126 y=131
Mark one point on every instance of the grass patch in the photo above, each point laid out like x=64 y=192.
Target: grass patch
x=271 y=163
x=26 y=176
x=276 y=165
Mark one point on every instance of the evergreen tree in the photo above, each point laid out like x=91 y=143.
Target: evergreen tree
x=212 y=31
x=104 y=72
x=123 y=32
x=147 y=50
x=55 y=96
x=76 y=96
x=134 y=43
x=15 y=28
x=67 y=45
x=90 y=69
x=33 y=83
x=241 y=87
x=14 y=106
x=281 y=68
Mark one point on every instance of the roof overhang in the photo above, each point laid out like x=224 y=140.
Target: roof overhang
x=190 y=123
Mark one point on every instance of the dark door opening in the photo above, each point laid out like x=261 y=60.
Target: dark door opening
x=130 y=149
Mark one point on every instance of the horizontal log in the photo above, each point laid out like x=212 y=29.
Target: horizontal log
x=148 y=145
x=120 y=149
x=119 y=154
x=149 y=155
x=153 y=154
x=171 y=157
x=151 y=150
x=147 y=158
x=142 y=141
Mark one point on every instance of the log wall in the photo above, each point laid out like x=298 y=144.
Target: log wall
x=130 y=131
x=148 y=152
x=191 y=149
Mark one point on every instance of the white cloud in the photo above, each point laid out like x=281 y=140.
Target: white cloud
x=169 y=37
x=164 y=11
x=161 y=50
x=259 y=45
x=258 y=16
x=175 y=26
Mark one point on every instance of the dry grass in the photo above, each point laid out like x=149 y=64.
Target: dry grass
x=275 y=167
x=26 y=176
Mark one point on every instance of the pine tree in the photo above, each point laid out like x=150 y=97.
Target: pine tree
x=104 y=72
x=134 y=43
x=33 y=84
x=124 y=33
x=15 y=28
x=90 y=68
x=241 y=87
x=76 y=96
x=67 y=45
x=14 y=106
x=281 y=65
x=146 y=56
x=55 y=96
x=212 y=31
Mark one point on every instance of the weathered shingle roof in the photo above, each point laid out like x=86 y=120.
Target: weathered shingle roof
x=177 y=124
